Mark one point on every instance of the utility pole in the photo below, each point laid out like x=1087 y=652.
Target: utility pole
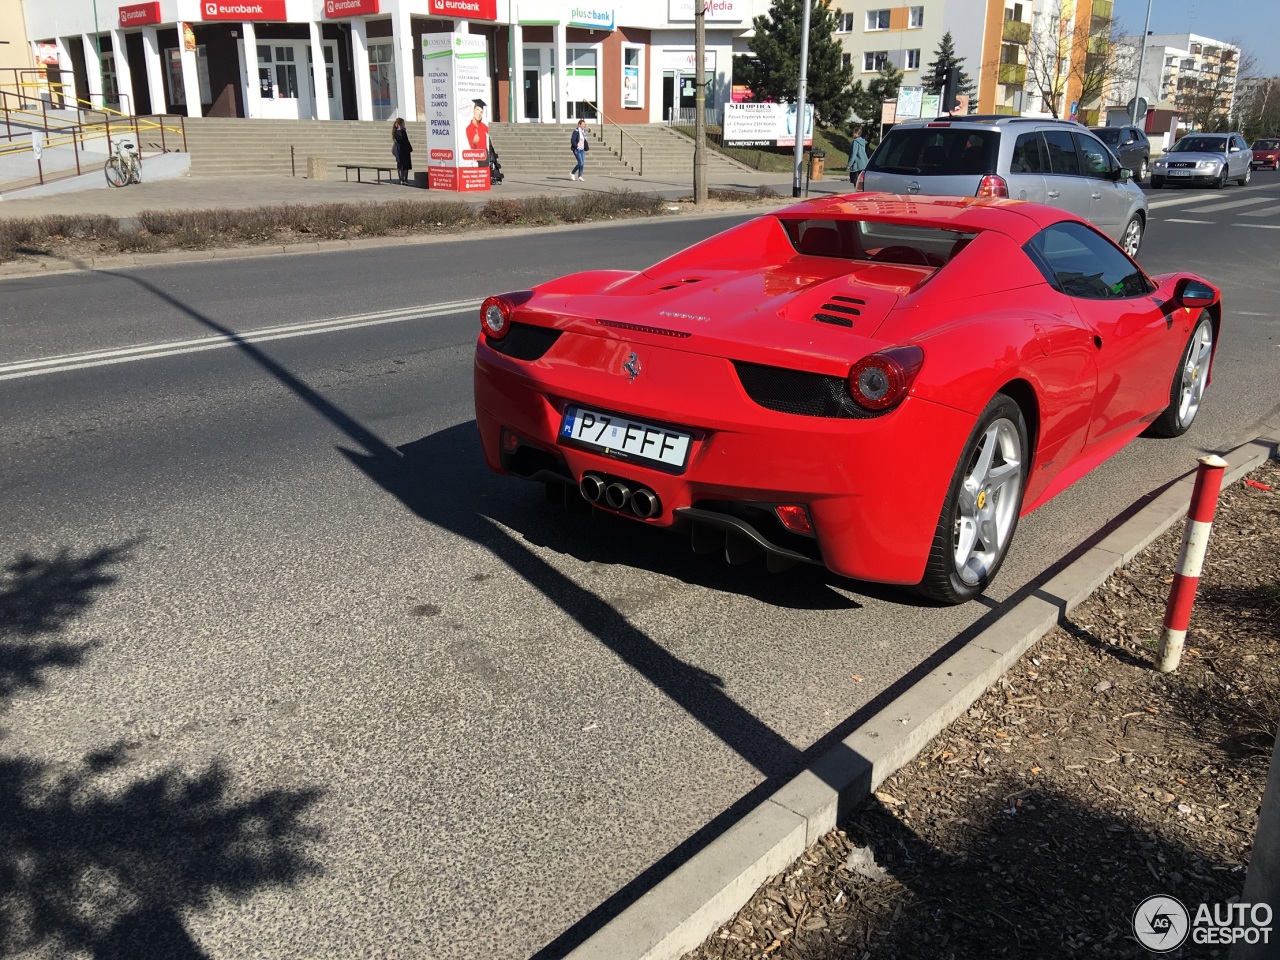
x=1142 y=55
x=800 y=95
x=700 y=103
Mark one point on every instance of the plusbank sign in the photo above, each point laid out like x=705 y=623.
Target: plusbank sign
x=593 y=18
x=464 y=9
x=139 y=14
x=732 y=10
x=242 y=10
x=349 y=8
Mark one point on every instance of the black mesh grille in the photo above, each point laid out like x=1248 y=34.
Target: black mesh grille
x=525 y=342
x=796 y=391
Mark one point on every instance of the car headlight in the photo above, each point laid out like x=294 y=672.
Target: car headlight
x=1207 y=164
x=1159 y=164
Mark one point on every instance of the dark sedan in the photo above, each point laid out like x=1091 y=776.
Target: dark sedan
x=1131 y=147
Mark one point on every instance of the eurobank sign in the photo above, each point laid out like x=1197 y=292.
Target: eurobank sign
x=591 y=17
x=242 y=10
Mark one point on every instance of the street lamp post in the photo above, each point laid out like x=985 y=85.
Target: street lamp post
x=800 y=95
x=1142 y=56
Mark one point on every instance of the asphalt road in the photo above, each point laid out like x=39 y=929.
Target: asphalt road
x=286 y=671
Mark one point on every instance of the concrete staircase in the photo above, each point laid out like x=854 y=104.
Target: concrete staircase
x=221 y=146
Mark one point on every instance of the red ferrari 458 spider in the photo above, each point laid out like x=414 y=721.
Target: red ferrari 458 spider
x=879 y=384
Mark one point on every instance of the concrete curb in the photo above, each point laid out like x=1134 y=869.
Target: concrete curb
x=685 y=908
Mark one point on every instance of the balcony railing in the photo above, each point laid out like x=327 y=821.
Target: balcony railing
x=1015 y=31
x=1102 y=8
x=1014 y=73
x=1004 y=111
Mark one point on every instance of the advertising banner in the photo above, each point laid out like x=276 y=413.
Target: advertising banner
x=242 y=10
x=910 y=99
x=464 y=9
x=455 y=82
x=591 y=17
x=765 y=124
x=716 y=10
x=929 y=104
x=139 y=14
x=631 y=85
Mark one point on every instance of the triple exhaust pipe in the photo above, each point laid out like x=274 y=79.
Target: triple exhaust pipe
x=618 y=495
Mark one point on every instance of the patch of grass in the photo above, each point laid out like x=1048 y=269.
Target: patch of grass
x=159 y=230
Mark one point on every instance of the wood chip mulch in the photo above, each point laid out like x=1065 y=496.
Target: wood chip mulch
x=1079 y=785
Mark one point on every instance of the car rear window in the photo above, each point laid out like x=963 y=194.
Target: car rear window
x=1109 y=135
x=937 y=151
x=1266 y=144
x=876 y=242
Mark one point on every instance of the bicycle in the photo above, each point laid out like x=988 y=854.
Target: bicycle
x=124 y=166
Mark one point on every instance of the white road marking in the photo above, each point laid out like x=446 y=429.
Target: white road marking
x=1233 y=204
x=1250 y=313
x=1264 y=212
x=1259 y=226
x=100 y=358
x=1178 y=201
x=1177 y=220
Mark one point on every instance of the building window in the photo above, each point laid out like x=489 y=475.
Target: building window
x=846 y=59
x=382 y=78
x=873 y=60
x=915 y=17
x=913 y=59
x=1014 y=12
x=844 y=24
x=877 y=19
x=173 y=76
x=632 y=76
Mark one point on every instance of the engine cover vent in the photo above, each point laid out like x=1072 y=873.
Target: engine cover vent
x=840 y=310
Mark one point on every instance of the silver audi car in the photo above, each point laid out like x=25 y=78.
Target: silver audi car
x=1205 y=158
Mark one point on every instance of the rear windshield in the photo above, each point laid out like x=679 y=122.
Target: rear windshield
x=1108 y=135
x=876 y=242
x=937 y=151
x=1200 y=145
x=1266 y=145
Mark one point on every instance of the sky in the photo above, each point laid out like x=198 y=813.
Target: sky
x=1254 y=24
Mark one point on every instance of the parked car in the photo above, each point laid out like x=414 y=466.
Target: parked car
x=1266 y=153
x=1131 y=147
x=1056 y=162
x=1205 y=158
x=881 y=385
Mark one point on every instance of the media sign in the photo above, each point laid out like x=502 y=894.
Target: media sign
x=464 y=9
x=242 y=10
x=455 y=83
x=334 y=9
x=139 y=14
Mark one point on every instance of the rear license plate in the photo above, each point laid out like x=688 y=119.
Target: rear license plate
x=613 y=434
x=1179 y=173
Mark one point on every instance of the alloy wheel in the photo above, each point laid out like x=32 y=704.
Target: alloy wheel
x=1195 y=373
x=986 y=509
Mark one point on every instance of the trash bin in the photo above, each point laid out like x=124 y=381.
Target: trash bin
x=420 y=179
x=817 y=160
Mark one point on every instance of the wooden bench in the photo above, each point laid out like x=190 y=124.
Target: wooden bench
x=377 y=168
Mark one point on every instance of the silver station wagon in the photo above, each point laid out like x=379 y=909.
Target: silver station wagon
x=1055 y=162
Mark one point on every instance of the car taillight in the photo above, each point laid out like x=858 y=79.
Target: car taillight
x=993 y=186
x=862 y=178
x=883 y=379
x=795 y=518
x=495 y=317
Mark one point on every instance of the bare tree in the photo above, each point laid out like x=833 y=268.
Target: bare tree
x=1205 y=95
x=1258 y=108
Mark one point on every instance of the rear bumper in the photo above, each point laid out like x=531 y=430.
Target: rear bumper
x=873 y=488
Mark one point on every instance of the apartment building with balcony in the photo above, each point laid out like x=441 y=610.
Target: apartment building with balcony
x=1195 y=74
x=873 y=33
x=1042 y=57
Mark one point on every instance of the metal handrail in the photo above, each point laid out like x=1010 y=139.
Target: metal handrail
x=622 y=138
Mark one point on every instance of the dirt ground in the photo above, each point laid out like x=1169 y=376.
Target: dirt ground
x=1075 y=788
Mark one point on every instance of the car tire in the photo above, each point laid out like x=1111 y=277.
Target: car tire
x=980 y=513
x=1189 y=381
x=1131 y=239
x=1248 y=175
x=1157 y=183
x=1141 y=173
x=1222 y=179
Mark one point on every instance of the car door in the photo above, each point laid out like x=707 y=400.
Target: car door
x=1027 y=166
x=1137 y=341
x=1109 y=198
x=1065 y=187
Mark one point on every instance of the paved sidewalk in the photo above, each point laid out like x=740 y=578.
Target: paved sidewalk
x=206 y=193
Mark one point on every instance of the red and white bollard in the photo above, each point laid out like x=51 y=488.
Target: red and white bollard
x=1195 y=541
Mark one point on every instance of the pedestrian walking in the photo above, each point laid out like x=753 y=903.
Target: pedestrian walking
x=858 y=159
x=579 y=145
x=401 y=149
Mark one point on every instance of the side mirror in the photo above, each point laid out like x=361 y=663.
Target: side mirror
x=1123 y=175
x=1193 y=293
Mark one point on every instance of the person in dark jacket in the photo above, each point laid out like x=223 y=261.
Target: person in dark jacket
x=401 y=149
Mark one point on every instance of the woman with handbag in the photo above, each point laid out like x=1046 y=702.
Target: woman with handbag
x=401 y=149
